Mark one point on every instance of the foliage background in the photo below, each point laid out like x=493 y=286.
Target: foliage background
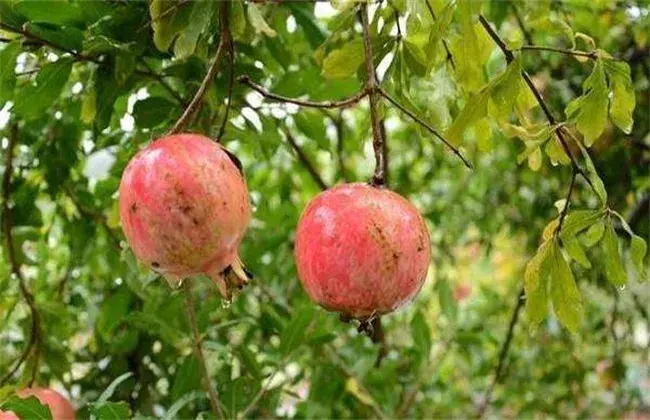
x=85 y=84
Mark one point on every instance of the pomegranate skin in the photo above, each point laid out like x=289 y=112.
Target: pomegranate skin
x=361 y=250
x=60 y=408
x=184 y=209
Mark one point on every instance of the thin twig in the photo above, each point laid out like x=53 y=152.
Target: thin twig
x=209 y=76
x=160 y=78
x=538 y=96
x=24 y=32
x=372 y=87
x=309 y=166
x=449 y=56
x=198 y=352
x=503 y=354
x=82 y=57
x=425 y=125
x=342 y=103
x=527 y=36
x=260 y=394
x=591 y=55
x=231 y=79
x=565 y=209
x=35 y=340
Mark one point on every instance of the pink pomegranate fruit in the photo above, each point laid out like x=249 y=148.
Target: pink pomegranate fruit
x=361 y=250
x=60 y=408
x=184 y=209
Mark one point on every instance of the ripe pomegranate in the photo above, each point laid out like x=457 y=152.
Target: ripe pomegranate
x=184 y=209
x=60 y=408
x=361 y=250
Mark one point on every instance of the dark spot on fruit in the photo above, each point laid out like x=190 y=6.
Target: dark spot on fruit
x=224 y=203
x=420 y=248
x=155 y=265
x=395 y=256
x=134 y=207
x=186 y=209
x=195 y=221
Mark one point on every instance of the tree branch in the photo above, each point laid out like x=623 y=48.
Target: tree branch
x=305 y=161
x=425 y=125
x=565 y=209
x=198 y=352
x=342 y=103
x=538 y=96
x=184 y=119
x=591 y=55
x=35 y=337
x=378 y=178
x=503 y=354
x=231 y=80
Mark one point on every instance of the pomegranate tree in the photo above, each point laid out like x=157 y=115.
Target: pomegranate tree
x=60 y=407
x=184 y=209
x=361 y=250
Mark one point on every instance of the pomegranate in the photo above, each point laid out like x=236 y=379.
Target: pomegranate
x=184 y=209
x=60 y=408
x=361 y=250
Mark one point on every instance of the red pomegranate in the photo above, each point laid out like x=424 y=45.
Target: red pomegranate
x=184 y=209
x=361 y=250
x=60 y=408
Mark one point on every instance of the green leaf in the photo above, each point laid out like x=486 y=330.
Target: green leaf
x=295 y=331
x=110 y=389
x=575 y=251
x=536 y=284
x=168 y=18
x=594 y=234
x=67 y=37
x=502 y=91
x=111 y=411
x=421 y=334
x=187 y=378
x=61 y=13
x=27 y=408
x=638 y=250
x=623 y=99
x=238 y=20
x=179 y=404
x=471 y=48
x=35 y=99
x=446 y=298
x=579 y=220
x=304 y=16
x=475 y=109
x=589 y=111
x=566 y=298
x=8 y=57
x=344 y=62
x=200 y=18
x=614 y=270
x=598 y=184
x=152 y=111
x=257 y=21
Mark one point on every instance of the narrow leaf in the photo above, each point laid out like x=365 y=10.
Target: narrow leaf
x=567 y=300
x=614 y=270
